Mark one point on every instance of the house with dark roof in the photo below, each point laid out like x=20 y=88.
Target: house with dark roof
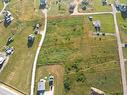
x=42 y=4
x=104 y=2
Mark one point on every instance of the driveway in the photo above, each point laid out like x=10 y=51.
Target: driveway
x=7 y=91
x=49 y=92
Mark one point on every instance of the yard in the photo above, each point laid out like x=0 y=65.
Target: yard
x=96 y=6
x=125 y=52
x=1 y=5
x=122 y=28
x=58 y=9
x=58 y=73
x=106 y=20
x=17 y=72
x=87 y=60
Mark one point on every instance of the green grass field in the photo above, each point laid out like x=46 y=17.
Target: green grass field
x=68 y=42
x=54 y=9
x=96 y=6
x=58 y=73
x=125 y=52
x=122 y=28
x=17 y=72
x=1 y=5
x=106 y=20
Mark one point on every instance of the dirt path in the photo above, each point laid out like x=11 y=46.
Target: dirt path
x=43 y=33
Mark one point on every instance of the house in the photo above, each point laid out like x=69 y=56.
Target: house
x=71 y=7
x=31 y=38
x=42 y=4
x=8 y=17
x=97 y=25
x=90 y=18
x=95 y=91
x=6 y=1
x=41 y=87
x=122 y=8
x=104 y=2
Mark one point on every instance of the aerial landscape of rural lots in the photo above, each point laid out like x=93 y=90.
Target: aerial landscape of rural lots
x=63 y=47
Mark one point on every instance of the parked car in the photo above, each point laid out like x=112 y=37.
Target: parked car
x=2 y=60
x=9 y=51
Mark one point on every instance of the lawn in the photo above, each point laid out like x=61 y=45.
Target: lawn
x=58 y=73
x=122 y=28
x=1 y=5
x=55 y=10
x=106 y=20
x=96 y=6
x=87 y=60
x=17 y=72
x=125 y=53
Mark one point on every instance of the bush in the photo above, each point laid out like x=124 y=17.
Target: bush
x=67 y=84
x=80 y=77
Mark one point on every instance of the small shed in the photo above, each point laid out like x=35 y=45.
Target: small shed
x=41 y=87
x=97 y=25
x=95 y=91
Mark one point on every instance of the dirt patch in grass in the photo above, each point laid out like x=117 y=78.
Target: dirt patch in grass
x=57 y=71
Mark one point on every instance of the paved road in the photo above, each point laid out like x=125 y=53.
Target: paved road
x=122 y=64
x=43 y=33
x=6 y=91
x=94 y=13
x=5 y=5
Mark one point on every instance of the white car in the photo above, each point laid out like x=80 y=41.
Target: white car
x=2 y=59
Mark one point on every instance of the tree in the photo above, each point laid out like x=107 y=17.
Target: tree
x=80 y=77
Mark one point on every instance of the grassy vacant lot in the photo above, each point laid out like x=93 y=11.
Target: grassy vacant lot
x=107 y=23
x=88 y=61
x=122 y=27
x=54 y=7
x=18 y=70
